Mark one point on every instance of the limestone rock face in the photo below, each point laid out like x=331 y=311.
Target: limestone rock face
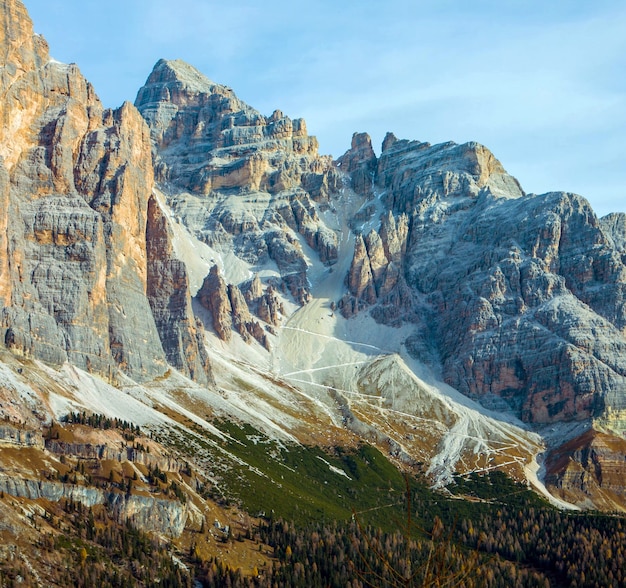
x=515 y=298
x=543 y=325
x=360 y=277
x=52 y=245
x=170 y=299
x=12 y=436
x=238 y=179
x=614 y=226
x=119 y=181
x=266 y=305
x=229 y=308
x=5 y=269
x=360 y=162
x=416 y=175
x=74 y=186
x=145 y=512
x=184 y=107
x=269 y=307
x=213 y=295
x=589 y=470
x=376 y=274
x=243 y=322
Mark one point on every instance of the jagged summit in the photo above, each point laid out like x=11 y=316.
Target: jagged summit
x=240 y=180
x=179 y=72
x=173 y=85
x=444 y=169
x=209 y=139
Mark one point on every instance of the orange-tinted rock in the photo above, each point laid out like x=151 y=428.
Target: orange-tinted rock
x=589 y=470
x=74 y=186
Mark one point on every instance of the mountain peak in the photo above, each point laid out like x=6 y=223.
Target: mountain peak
x=174 y=85
x=179 y=72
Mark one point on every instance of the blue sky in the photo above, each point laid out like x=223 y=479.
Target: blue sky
x=541 y=83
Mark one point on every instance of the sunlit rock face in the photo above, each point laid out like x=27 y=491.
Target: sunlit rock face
x=75 y=180
x=589 y=470
x=519 y=300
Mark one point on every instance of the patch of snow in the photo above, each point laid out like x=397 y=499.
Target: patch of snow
x=10 y=382
x=199 y=258
x=334 y=469
x=59 y=64
x=91 y=393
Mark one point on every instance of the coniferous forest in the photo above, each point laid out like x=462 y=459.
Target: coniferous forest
x=486 y=531
x=489 y=543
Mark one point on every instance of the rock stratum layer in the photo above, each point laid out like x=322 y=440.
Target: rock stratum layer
x=589 y=470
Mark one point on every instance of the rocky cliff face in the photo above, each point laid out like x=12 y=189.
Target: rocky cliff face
x=614 y=227
x=75 y=180
x=229 y=309
x=13 y=436
x=519 y=299
x=145 y=512
x=589 y=470
x=239 y=180
x=376 y=274
x=103 y=451
x=265 y=304
x=182 y=335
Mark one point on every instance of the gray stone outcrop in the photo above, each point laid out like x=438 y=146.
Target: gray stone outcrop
x=145 y=512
